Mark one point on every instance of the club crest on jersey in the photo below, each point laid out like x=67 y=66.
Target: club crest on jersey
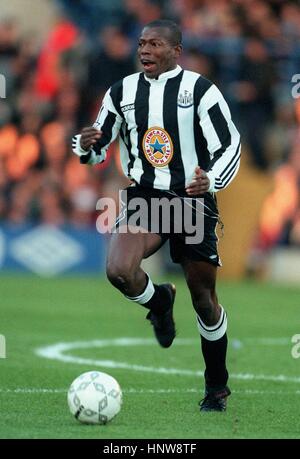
x=158 y=146
x=185 y=100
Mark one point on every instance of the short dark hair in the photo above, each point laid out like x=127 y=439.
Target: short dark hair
x=175 y=35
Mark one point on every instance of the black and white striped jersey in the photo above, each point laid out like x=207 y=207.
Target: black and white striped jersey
x=166 y=127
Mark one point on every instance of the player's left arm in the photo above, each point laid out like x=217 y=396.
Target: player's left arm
x=223 y=143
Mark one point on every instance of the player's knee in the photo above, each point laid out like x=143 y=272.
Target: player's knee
x=119 y=276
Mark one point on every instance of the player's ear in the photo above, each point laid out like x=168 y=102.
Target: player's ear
x=177 y=50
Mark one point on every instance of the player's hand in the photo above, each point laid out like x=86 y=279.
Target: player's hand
x=89 y=136
x=199 y=184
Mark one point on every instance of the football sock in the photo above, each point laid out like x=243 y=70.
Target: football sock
x=214 y=348
x=146 y=295
x=154 y=297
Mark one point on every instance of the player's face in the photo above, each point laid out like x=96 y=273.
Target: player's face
x=156 y=53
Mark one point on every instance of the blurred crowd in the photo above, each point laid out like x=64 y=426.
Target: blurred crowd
x=54 y=87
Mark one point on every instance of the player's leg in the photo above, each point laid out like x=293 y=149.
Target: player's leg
x=212 y=325
x=125 y=254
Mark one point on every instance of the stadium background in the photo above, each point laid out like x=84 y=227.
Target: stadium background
x=58 y=61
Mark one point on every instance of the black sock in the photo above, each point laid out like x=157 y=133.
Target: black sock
x=160 y=301
x=214 y=353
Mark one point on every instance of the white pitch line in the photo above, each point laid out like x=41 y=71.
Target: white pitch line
x=279 y=341
x=56 y=352
x=34 y=390
x=132 y=390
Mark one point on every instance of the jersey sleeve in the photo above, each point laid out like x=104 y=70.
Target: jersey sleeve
x=222 y=137
x=109 y=122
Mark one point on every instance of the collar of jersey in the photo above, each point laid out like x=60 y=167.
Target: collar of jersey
x=165 y=76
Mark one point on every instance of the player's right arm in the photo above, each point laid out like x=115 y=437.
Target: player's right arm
x=92 y=143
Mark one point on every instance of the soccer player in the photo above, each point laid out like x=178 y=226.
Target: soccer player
x=176 y=139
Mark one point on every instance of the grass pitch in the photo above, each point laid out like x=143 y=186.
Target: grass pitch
x=161 y=387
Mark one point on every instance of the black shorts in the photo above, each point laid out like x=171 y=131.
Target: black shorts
x=181 y=246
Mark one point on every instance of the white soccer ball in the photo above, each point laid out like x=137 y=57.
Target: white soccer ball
x=94 y=398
